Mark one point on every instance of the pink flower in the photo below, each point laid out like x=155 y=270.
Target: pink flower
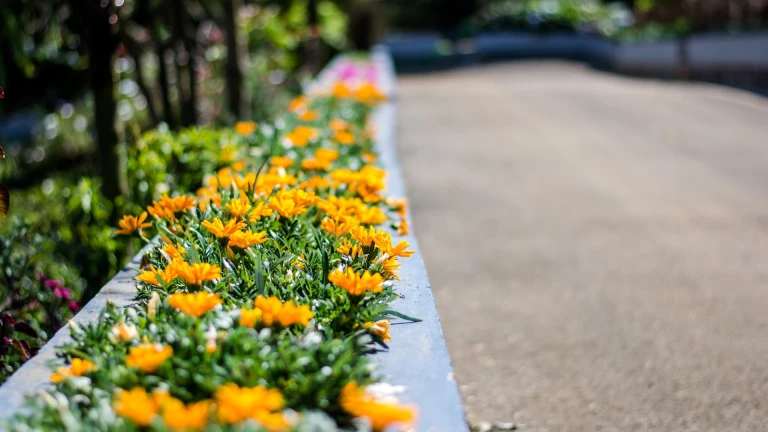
x=73 y=305
x=62 y=292
x=53 y=284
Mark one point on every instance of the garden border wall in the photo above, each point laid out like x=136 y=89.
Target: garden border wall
x=417 y=359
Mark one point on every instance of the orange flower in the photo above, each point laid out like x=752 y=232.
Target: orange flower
x=300 y=136
x=368 y=236
x=238 y=207
x=298 y=104
x=379 y=328
x=244 y=239
x=78 y=367
x=246 y=128
x=281 y=161
x=235 y=404
x=286 y=314
x=355 y=284
x=197 y=273
x=292 y=203
x=128 y=224
x=340 y=90
x=344 y=137
x=148 y=357
x=326 y=154
x=158 y=277
x=135 y=405
x=221 y=230
x=403 y=228
x=347 y=248
x=369 y=94
x=337 y=228
x=248 y=317
x=316 y=164
x=337 y=125
x=308 y=116
x=261 y=209
x=194 y=304
x=173 y=251
x=181 y=417
x=381 y=415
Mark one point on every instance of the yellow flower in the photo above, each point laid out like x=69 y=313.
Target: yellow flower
x=300 y=136
x=286 y=314
x=281 y=161
x=344 y=137
x=238 y=207
x=220 y=230
x=384 y=243
x=369 y=94
x=135 y=405
x=316 y=164
x=174 y=252
x=380 y=415
x=338 y=228
x=368 y=236
x=128 y=224
x=261 y=209
x=315 y=182
x=398 y=204
x=193 y=416
x=246 y=128
x=248 y=317
x=340 y=90
x=292 y=314
x=390 y=266
x=197 y=273
x=148 y=357
x=123 y=332
x=337 y=125
x=157 y=277
x=380 y=328
x=347 y=248
x=308 y=116
x=326 y=154
x=78 y=367
x=403 y=228
x=292 y=203
x=194 y=304
x=354 y=283
x=244 y=239
x=235 y=404
x=371 y=215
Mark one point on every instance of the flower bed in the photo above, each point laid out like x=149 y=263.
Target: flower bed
x=264 y=293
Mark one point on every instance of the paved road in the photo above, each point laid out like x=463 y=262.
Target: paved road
x=598 y=245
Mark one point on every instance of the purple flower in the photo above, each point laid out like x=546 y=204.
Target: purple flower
x=73 y=305
x=62 y=292
x=42 y=277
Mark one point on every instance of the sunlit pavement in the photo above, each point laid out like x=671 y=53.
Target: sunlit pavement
x=598 y=245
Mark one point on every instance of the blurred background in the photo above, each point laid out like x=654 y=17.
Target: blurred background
x=105 y=100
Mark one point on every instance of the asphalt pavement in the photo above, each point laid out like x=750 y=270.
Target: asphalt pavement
x=597 y=245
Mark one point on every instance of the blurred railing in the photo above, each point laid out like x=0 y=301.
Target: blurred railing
x=734 y=59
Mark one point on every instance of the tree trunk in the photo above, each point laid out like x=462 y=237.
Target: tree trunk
x=165 y=93
x=101 y=44
x=237 y=97
x=185 y=70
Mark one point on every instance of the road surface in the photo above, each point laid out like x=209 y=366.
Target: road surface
x=597 y=245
